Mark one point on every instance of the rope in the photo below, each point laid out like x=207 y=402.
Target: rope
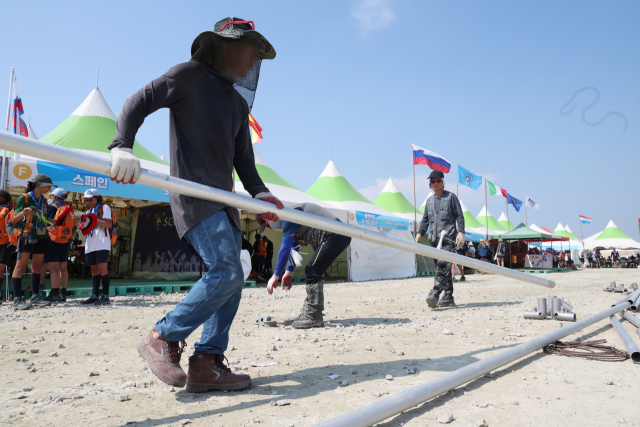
x=592 y=350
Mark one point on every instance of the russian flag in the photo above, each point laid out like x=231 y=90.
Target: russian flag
x=585 y=220
x=18 y=126
x=431 y=159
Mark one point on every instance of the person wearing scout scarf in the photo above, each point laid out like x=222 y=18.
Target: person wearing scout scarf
x=209 y=99
x=29 y=214
x=442 y=215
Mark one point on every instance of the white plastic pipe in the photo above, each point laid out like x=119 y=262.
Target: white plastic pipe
x=88 y=161
x=392 y=405
x=629 y=345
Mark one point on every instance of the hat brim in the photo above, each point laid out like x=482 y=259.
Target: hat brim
x=44 y=184
x=88 y=223
x=265 y=49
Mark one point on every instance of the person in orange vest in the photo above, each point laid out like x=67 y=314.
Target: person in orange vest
x=5 y=248
x=61 y=237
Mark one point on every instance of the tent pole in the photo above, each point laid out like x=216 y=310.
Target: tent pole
x=526 y=218
x=415 y=203
x=90 y=161
x=486 y=207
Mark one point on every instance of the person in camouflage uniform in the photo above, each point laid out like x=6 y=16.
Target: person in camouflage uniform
x=441 y=215
x=327 y=247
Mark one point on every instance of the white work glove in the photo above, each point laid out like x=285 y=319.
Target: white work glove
x=268 y=197
x=460 y=239
x=287 y=280
x=273 y=282
x=125 y=167
x=418 y=237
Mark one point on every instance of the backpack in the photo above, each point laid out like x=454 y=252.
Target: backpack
x=114 y=224
x=4 y=238
x=64 y=232
x=13 y=230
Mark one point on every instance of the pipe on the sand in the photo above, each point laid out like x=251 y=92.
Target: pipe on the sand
x=534 y=315
x=632 y=319
x=90 y=161
x=629 y=345
x=392 y=405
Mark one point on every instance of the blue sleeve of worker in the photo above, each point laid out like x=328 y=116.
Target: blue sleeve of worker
x=283 y=255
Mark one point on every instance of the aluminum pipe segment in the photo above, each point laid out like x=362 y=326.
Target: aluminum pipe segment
x=87 y=161
x=629 y=345
x=632 y=319
x=390 y=406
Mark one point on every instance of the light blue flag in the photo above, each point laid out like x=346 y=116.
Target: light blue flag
x=467 y=178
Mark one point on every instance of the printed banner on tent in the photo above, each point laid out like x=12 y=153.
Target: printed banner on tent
x=380 y=221
x=79 y=180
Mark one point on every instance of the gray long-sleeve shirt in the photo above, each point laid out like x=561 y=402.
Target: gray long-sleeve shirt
x=208 y=136
x=456 y=209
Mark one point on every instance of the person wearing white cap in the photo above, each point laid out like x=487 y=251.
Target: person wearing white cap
x=98 y=247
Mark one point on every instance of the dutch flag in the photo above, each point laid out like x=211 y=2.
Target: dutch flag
x=433 y=160
x=585 y=220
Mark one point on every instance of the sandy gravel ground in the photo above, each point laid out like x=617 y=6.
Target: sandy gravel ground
x=86 y=359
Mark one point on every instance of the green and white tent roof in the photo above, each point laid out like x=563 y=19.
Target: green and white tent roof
x=471 y=225
x=485 y=217
x=560 y=231
x=508 y=225
x=288 y=193
x=612 y=237
x=92 y=126
x=572 y=235
x=32 y=133
x=391 y=199
x=333 y=188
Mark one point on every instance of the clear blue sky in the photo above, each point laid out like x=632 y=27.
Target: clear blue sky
x=481 y=83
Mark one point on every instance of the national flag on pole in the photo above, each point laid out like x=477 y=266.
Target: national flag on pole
x=585 y=220
x=531 y=203
x=256 y=130
x=469 y=179
x=431 y=159
x=494 y=190
x=17 y=124
x=514 y=202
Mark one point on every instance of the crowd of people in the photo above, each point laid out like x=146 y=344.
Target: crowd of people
x=41 y=230
x=595 y=259
x=261 y=257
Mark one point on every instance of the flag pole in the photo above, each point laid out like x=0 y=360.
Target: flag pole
x=526 y=218
x=506 y=201
x=486 y=207
x=581 y=237
x=457 y=182
x=4 y=152
x=415 y=203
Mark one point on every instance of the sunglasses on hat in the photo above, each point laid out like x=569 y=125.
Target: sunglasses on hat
x=438 y=180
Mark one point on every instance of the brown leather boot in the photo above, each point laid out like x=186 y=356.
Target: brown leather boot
x=208 y=372
x=163 y=357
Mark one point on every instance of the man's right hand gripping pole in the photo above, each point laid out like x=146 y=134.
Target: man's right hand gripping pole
x=125 y=167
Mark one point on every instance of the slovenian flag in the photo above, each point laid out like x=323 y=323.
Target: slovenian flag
x=585 y=220
x=17 y=124
x=431 y=159
x=256 y=130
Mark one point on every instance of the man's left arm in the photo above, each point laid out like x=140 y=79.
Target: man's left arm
x=245 y=164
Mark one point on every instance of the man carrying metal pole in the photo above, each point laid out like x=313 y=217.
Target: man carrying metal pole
x=441 y=214
x=209 y=99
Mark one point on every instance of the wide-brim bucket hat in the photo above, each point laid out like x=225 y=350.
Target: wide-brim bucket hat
x=88 y=223
x=239 y=29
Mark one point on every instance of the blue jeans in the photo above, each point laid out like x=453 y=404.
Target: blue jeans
x=213 y=301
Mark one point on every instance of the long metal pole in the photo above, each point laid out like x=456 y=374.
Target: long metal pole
x=415 y=202
x=506 y=201
x=629 y=345
x=87 y=160
x=486 y=207
x=3 y=173
x=632 y=319
x=390 y=406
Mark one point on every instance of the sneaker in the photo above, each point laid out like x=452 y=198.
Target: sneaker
x=432 y=299
x=305 y=322
x=104 y=299
x=446 y=301
x=38 y=301
x=54 y=296
x=20 y=304
x=454 y=280
x=91 y=300
x=462 y=279
x=163 y=357
x=209 y=372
